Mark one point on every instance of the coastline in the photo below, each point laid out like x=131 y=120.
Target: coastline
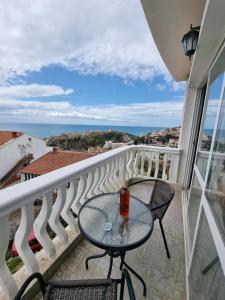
x=47 y=130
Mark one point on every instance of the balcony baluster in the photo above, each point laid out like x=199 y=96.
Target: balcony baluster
x=40 y=225
x=54 y=220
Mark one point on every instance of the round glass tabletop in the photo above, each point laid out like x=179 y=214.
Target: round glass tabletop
x=100 y=222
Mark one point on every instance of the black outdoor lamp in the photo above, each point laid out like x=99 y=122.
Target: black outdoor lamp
x=190 y=40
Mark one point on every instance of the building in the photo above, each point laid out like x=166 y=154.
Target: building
x=17 y=149
x=52 y=161
x=196 y=217
x=109 y=145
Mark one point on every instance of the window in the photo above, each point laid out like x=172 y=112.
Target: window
x=215 y=191
x=193 y=206
x=206 y=205
x=206 y=279
x=209 y=123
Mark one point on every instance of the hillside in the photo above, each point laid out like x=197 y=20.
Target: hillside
x=163 y=137
x=96 y=140
x=83 y=141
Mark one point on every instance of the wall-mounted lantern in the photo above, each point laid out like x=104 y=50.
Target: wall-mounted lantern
x=190 y=40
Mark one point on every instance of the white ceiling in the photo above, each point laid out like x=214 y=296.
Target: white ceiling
x=169 y=20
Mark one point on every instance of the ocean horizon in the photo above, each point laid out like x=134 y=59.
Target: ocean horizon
x=47 y=130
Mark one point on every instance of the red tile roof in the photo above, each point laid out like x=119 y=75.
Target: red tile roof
x=6 y=136
x=54 y=160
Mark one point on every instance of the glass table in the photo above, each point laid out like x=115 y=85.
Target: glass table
x=100 y=223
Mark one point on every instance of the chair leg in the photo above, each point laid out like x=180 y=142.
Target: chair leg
x=94 y=256
x=126 y=277
x=164 y=239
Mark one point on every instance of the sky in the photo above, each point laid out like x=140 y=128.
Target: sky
x=83 y=62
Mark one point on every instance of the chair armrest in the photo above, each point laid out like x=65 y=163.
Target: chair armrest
x=160 y=206
x=41 y=282
x=126 y=276
x=142 y=180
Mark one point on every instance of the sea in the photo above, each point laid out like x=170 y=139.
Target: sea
x=47 y=130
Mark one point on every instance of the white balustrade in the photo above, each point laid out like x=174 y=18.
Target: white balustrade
x=40 y=225
x=21 y=238
x=70 y=197
x=65 y=190
x=158 y=162
x=54 y=220
x=6 y=279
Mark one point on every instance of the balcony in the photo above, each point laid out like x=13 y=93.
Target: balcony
x=63 y=257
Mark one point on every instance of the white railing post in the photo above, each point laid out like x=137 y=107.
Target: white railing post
x=54 y=220
x=80 y=190
x=40 y=225
x=66 y=213
x=122 y=169
x=174 y=164
x=6 y=279
x=164 y=175
x=21 y=239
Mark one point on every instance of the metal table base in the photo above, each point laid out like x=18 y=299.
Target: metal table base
x=123 y=263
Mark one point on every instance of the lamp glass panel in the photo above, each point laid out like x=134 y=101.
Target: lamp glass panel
x=189 y=43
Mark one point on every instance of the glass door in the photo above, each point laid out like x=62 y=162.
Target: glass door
x=206 y=203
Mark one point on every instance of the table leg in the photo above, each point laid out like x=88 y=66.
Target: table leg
x=138 y=276
x=122 y=256
x=94 y=256
x=110 y=267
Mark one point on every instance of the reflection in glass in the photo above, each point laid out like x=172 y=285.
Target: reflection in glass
x=193 y=207
x=206 y=280
x=209 y=123
x=215 y=191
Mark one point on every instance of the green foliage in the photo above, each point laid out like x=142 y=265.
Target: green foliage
x=82 y=142
x=14 y=264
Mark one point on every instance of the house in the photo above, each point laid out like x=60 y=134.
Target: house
x=52 y=161
x=16 y=150
x=109 y=145
x=195 y=221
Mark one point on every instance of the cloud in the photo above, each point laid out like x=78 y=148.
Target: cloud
x=17 y=104
x=32 y=90
x=89 y=37
x=160 y=86
x=146 y=114
x=79 y=115
x=177 y=86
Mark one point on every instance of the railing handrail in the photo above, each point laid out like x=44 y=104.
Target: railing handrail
x=205 y=154
x=160 y=149
x=16 y=196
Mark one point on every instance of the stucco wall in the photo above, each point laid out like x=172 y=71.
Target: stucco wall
x=14 y=150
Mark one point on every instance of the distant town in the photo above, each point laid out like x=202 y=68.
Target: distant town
x=101 y=141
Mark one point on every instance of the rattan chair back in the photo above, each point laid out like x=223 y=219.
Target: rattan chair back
x=160 y=198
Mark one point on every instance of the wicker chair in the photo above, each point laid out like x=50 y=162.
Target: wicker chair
x=94 y=289
x=160 y=199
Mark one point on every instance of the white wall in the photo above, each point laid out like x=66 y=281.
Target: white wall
x=14 y=150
